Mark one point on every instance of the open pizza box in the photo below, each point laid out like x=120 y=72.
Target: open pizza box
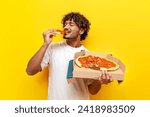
x=94 y=74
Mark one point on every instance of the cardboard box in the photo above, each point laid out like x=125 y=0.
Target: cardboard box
x=94 y=74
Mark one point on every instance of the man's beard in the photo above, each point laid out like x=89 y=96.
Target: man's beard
x=66 y=37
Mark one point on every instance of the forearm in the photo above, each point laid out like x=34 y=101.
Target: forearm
x=94 y=87
x=34 y=65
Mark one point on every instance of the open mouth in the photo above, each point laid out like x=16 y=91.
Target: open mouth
x=66 y=32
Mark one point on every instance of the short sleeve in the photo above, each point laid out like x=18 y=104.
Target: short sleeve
x=47 y=57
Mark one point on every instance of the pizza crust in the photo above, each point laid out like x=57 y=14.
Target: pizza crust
x=59 y=31
x=109 y=69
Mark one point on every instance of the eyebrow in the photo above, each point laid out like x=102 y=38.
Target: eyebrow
x=70 y=22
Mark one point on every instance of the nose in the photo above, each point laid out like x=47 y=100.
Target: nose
x=66 y=27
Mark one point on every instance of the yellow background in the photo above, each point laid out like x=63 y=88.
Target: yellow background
x=120 y=27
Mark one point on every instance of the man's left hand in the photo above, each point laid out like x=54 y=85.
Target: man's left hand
x=104 y=77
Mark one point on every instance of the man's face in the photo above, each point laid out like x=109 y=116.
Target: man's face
x=71 y=30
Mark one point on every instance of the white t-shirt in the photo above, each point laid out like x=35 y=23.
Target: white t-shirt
x=57 y=57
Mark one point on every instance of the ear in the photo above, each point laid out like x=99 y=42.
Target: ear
x=81 y=31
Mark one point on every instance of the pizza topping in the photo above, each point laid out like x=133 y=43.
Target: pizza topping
x=94 y=61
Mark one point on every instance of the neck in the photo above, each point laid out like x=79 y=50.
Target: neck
x=74 y=42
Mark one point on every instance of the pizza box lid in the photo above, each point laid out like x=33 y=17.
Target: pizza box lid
x=94 y=74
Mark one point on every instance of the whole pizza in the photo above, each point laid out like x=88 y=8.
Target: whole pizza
x=96 y=62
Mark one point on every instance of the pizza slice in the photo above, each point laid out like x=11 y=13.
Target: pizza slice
x=59 y=31
x=96 y=63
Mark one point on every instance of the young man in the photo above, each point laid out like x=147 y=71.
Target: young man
x=57 y=56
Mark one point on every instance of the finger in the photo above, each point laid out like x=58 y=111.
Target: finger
x=111 y=79
x=104 y=80
x=103 y=74
x=106 y=75
x=47 y=31
x=110 y=76
x=50 y=30
x=100 y=77
x=51 y=34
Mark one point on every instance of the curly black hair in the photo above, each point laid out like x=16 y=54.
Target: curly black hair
x=80 y=20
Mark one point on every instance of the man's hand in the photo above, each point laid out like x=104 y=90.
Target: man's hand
x=48 y=35
x=104 y=77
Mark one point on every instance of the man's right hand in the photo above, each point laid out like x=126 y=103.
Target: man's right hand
x=48 y=35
